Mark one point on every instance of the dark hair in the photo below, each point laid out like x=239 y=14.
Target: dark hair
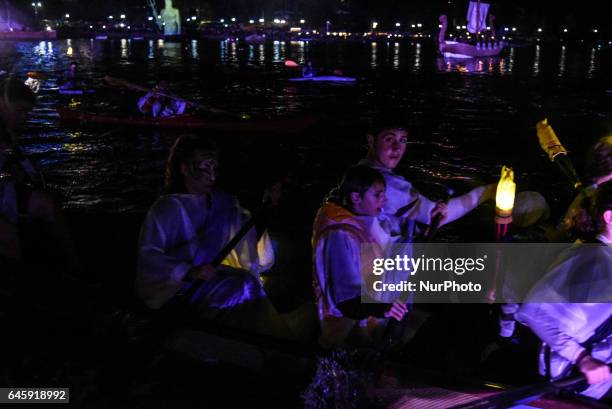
x=13 y=91
x=183 y=149
x=588 y=221
x=388 y=121
x=358 y=179
x=599 y=159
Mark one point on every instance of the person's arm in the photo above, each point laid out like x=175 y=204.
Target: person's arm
x=462 y=205
x=178 y=22
x=161 y=273
x=543 y=320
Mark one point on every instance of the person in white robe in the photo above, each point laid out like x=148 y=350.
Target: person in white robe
x=570 y=308
x=185 y=230
x=405 y=205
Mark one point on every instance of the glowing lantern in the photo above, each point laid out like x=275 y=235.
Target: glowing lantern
x=504 y=197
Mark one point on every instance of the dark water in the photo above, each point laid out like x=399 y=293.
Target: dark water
x=468 y=119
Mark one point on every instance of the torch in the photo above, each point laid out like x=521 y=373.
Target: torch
x=504 y=202
x=556 y=152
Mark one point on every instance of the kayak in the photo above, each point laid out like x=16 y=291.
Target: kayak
x=75 y=91
x=276 y=126
x=325 y=78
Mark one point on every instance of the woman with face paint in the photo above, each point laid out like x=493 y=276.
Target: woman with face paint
x=185 y=230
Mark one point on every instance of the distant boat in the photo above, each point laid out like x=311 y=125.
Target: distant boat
x=477 y=16
x=255 y=38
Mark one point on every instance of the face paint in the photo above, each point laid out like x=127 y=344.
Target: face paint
x=204 y=168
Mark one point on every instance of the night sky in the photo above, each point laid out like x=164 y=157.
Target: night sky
x=545 y=13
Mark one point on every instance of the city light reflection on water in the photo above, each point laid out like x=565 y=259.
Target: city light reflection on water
x=464 y=104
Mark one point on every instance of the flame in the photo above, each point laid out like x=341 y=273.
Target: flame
x=506 y=189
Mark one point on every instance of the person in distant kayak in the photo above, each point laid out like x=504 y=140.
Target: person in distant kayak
x=347 y=231
x=182 y=234
x=34 y=81
x=160 y=103
x=70 y=78
x=308 y=71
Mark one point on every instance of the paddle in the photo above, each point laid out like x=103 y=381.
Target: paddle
x=550 y=144
x=227 y=249
x=522 y=395
x=122 y=83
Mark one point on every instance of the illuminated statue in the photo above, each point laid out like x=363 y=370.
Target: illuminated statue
x=172 y=19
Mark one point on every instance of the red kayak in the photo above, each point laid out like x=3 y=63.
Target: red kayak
x=277 y=126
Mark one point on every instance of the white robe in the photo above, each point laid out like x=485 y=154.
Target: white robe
x=564 y=325
x=182 y=231
x=405 y=205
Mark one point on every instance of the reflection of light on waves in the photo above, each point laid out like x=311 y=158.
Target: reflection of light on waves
x=417 y=57
x=124 y=48
x=562 y=62
x=262 y=54
x=276 y=51
x=536 y=61
x=223 y=50
x=77 y=147
x=300 y=50
x=69 y=50
x=491 y=65
x=233 y=52
x=40 y=49
x=150 y=53
x=374 y=63
x=194 y=49
x=49 y=47
x=592 y=61
x=502 y=66
x=396 y=62
x=511 y=60
x=160 y=43
x=172 y=50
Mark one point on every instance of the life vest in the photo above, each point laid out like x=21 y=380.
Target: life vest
x=333 y=217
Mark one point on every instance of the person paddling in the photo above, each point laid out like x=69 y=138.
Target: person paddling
x=308 y=71
x=160 y=103
x=70 y=78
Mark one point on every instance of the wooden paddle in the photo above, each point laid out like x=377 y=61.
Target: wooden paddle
x=122 y=83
